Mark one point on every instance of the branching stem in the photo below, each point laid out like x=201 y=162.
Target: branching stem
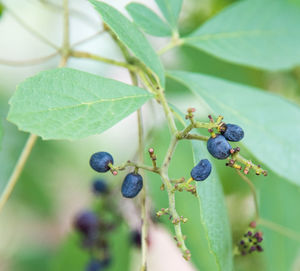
x=79 y=54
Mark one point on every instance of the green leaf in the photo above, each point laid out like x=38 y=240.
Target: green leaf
x=1 y=9
x=237 y=34
x=278 y=201
x=213 y=212
x=170 y=9
x=148 y=20
x=1 y=133
x=132 y=37
x=70 y=104
x=269 y=121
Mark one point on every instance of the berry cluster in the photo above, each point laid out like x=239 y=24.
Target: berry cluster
x=94 y=227
x=133 y=182
x=250 y=242
x=219 y=147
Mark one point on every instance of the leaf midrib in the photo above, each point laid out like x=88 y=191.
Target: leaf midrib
x=86 y=104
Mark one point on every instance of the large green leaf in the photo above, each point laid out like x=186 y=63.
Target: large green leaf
x=1 y=132
x=268 y=120
x=171 y=10
x=277 y=204
x=255 y=33
x=148 y=20
x=213 y=213
x=70 y=104
x=131 y=36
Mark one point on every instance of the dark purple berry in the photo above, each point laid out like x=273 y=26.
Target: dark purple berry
x=99 y=161
x=259 y=239
x=132 y=185
x=242 y=243
x=201 y=171
x=87 y=223
x=94 y=265
x=100 y=187
x=136 y=238
x=218 y=147
x=249 y=233
x=259 y=248
x=253 y=248
x=233 y=132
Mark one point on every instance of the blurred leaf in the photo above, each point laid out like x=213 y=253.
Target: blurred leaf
x=70 y=256
x=1 y=133
x=131 y=36
x=31 y=259
x=213 y=212
x=270 y=133
x=148 y=20
x=270 y=41
x=70 y=104
x=170 y=9
x=278 y=201
x=1 y=9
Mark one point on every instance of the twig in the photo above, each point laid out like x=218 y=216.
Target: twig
x=172 y=44
x=87 y=55
x=29 y=62
x=17 y=170
x=89 y=38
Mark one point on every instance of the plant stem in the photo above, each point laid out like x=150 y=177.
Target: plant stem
x=144 y=236
x=29 y=29
x=253 y=191
x=141 y=147
x=65 y=51
x=167 y=110
x=80 y=54
x=293 y=235
x=89 y=38
x=172 y=44
x=17 y=170
x=29 y=62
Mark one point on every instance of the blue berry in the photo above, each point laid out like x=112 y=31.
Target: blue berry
x=201 y=171
x=94 y=265
x=218 y=147
x=132 y=185
x=99 y=161
x=87 y=223
x=100 y=186
x=233 y=132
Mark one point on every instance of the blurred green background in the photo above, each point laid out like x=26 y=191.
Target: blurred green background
x=36 y=224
